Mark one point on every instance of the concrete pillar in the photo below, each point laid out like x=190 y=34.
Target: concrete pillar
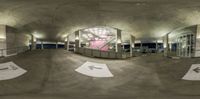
x=141 y=45
x=33 y=42
x=119 y=41
x=66 y=45
x=197 y=47
x=42 y=46
x=166 y=45
x=132 y=44
x=170 y=47
x=56 y=45
x=77 y=41
x=3 y=41
x=156 y=45
x=123 y=47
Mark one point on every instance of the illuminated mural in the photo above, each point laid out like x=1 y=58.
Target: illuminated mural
x=101 y=38
x=101 y=41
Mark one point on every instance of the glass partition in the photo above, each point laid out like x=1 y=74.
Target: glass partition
x=181 y=42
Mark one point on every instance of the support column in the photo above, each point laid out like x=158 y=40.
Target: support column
x=66 y=45
x=42 y=46
x=140 y=44
x=170 y=47
x=3 y=40
x=132 y=44
x=118 y=42
x=33 y=42
x=166 y=45
x=197 y=43
x=77 y=41
x=56 y=45
x=123 y=47
x=156 y=46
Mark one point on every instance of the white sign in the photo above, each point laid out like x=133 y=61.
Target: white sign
x=94 y=70
x=193 y=73
x=10 y=70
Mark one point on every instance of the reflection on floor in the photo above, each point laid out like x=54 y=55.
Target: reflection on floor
x=51 y=75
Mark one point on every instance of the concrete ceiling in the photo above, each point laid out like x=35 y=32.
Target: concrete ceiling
x=54 y=19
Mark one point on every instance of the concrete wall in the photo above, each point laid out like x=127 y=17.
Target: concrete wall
x=15 y=41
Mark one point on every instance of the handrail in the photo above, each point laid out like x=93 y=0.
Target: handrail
x=103 y=54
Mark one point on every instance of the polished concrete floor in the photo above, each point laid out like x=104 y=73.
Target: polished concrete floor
x=51 y=75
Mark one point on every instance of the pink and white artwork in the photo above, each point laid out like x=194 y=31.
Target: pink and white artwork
x=96 y=44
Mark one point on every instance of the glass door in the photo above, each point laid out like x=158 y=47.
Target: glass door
x=185 y=45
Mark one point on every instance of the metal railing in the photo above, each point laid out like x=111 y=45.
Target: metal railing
x=103 y=54
x=13 y=51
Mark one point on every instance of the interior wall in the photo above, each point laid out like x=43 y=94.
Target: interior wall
x=16 y=42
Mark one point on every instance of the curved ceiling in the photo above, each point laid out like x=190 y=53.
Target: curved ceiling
x=54 y=19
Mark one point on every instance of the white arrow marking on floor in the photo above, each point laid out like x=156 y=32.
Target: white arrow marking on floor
x=93 y=67
x=197 y=70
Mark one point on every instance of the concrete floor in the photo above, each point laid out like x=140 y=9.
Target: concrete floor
x=51 y=75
